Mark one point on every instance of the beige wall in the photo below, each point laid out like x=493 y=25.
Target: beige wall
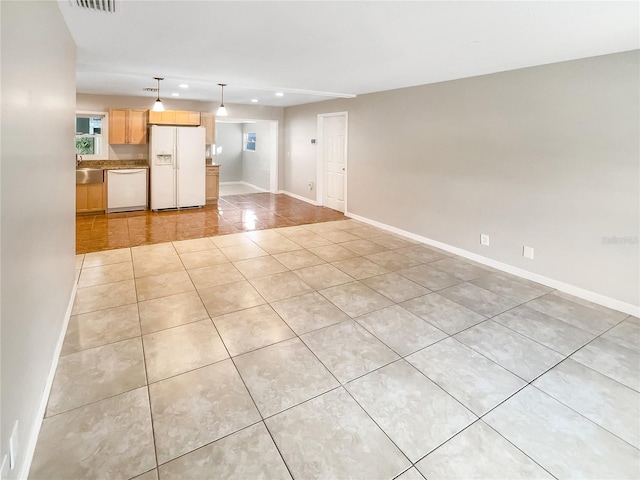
x=38 y=209
x=545 y=157
x=102 y=103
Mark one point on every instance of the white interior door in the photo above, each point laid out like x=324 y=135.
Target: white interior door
x=334 y=159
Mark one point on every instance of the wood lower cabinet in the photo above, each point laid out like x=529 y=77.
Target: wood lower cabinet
x=208 y=121
x=213 y=183
x=174 y=117
x=90 y=198
x=127 y=126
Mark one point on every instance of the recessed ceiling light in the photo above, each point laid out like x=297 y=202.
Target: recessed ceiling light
x=183 y=85
x=175 y=94
x=254 y=100
x=279 y=94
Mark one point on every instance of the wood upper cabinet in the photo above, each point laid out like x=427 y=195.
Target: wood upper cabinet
x=208 y=121
x=213 y=183
x=174 y=117
x=127 y=126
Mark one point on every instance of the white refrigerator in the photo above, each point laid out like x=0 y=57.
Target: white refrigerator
x=177 y=164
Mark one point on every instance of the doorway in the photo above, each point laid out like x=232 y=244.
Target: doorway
x=247 y=152
x=332 y=160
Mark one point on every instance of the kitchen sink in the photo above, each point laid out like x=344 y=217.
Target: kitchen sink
x=89 y=175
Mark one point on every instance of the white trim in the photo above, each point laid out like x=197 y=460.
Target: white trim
x=231 y=183
x=298 y=197
x=320 y=154
x=579 y=292
x=35 y=431
x=254 y=186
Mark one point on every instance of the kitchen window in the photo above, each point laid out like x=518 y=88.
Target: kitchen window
x=250 y=142
x=91 y=136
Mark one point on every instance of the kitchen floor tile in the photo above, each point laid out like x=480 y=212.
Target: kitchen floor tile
x=108 y=439
x=314 y=436
x=115 y=272
x=298 y=259
x=147 y=265
x=429 y=277
x=510 y=287
x=98 y=328
x=250 y=329
x=322 y=276
x=194 y=245
x=283 y=375
x=448 y=316
x=478 y=299
x=360 y=268
x=392 y=260
x=355 y=299
x=247 y=454
x=395 y=287
x=475 y=381
x=230 y=297
x=460 y=269
x=280 y=286
x=214 y=275
x=348 y=350
x=400 y=330
x=99 y=297
x=309 y=312
x=199 y=407
x=163 y=285
x=180 y=349
x=311 y=240
x=171 y=311
x=243 y=252
x=231 y=240
x=595 y=396
x=415 y=413
x=205 y=258
x=95 y=374
x=613 y=360
x=560 y=440
x=260 y=267
x=516 y=353
x=108 y=257
x=549 y=331
x=591 y=320
x=480 y=453
x=278 y=245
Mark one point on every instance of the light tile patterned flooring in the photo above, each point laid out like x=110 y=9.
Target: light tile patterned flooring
x=334 y=350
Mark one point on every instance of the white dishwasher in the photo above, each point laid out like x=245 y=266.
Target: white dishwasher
x=127 y=189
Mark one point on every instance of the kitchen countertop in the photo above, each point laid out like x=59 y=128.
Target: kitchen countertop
x=113 y=164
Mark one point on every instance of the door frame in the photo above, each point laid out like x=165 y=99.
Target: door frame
x=274 y=164
x=320 y=166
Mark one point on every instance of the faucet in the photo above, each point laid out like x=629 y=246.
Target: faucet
x=78 y=160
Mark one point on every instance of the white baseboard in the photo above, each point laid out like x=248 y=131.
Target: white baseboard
x=579 y=292
x=298 y=197
x=253 y=186
x=30 y=446
x=230 y=183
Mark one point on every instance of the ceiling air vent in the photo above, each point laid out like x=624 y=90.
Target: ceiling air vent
x=150 y=89
x=100 y=5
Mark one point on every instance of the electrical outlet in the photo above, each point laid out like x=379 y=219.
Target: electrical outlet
x=484 y=239
x=527 y=252
x=310 y=185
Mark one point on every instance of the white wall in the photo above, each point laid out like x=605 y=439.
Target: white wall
x=545 y=157
x=256 y=166
x=38 y=209
x=229 y=137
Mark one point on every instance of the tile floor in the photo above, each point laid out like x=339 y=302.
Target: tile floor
x=236 y=189
x=334 y=350
x=232 y=214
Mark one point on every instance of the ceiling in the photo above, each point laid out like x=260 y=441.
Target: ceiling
x=313 y=51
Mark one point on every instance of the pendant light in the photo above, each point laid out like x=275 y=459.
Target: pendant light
x=222 y=111
x=158 y=106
